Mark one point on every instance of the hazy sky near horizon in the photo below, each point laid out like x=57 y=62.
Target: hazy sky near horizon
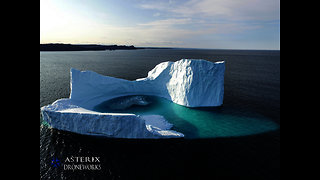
x=221 y=24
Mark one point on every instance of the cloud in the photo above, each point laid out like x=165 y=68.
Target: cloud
x=143 y=35
x=193 y=19
x=156 y=14
x=265 y=10
x=168 y=22
x=169 y=32
x=174 y=23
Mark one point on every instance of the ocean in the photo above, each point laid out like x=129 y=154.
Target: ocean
x=252 y=89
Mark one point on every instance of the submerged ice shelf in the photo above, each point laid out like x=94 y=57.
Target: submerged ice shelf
x=190 y=83
x=194 y=123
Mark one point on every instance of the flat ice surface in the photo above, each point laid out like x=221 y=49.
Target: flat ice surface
x=191 y=83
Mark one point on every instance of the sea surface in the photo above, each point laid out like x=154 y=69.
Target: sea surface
x=245 y=145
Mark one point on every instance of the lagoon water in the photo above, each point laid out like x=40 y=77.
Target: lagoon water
x=209 y=122
x=239 y=139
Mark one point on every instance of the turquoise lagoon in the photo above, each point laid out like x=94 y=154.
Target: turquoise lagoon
x=204 y=122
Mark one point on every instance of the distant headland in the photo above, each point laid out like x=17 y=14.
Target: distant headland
x=88 y=47
x=83 y=47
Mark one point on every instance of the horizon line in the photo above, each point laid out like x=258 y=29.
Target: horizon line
x=163 y=46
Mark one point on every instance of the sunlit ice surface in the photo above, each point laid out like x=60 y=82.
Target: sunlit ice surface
x=208 y=122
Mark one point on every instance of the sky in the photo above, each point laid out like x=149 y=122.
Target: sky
x=211 y=24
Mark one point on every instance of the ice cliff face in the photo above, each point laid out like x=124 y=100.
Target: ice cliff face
x=191 y=83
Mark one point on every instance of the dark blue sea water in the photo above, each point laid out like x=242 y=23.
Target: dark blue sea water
x=247 y=144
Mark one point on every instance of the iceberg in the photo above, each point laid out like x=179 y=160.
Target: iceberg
x=188 y=82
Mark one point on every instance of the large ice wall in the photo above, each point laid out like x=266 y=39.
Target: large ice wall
x=191 y=83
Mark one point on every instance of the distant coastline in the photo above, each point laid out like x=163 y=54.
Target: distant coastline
x=83 y=47
x=88 y=47
x=96 y=47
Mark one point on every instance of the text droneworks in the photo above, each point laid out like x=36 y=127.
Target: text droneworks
x=80 y=163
